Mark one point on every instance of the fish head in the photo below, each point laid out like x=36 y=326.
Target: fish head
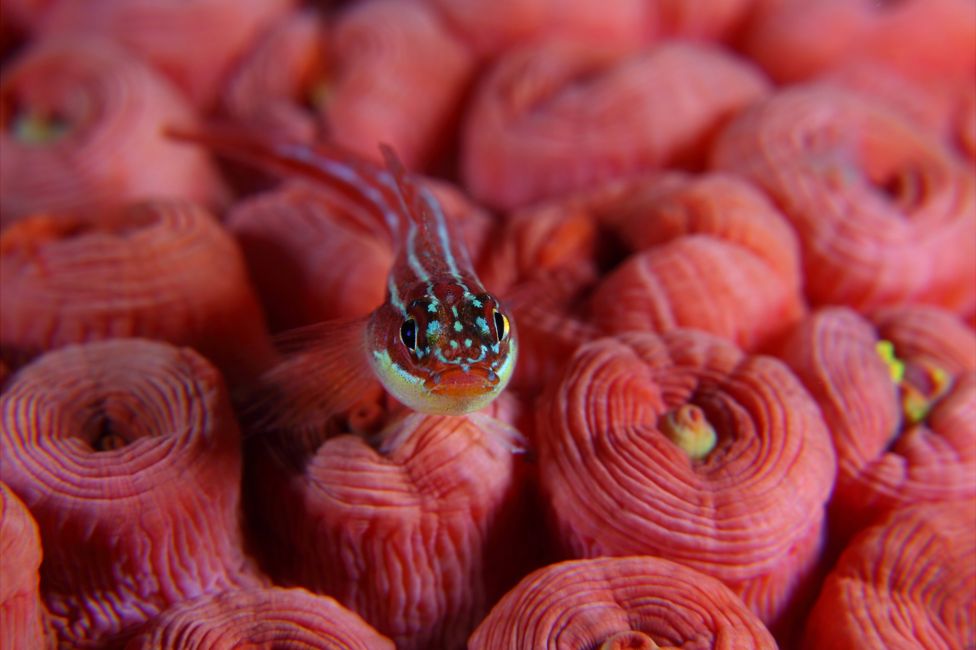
x=447 y=351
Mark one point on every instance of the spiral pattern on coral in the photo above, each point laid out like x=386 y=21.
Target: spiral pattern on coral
x=715 y=255
x=748 y=511
x=908 y=581
x=884 y=213
x=82 y=126
x=885 y=460
x=126 y=452
x=265 y=618
x=622 y=603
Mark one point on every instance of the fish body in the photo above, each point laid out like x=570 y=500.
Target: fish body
x=440 y=343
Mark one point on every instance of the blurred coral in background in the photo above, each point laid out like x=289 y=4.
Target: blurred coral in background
x=734 y=241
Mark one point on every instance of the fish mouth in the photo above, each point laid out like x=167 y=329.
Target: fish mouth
x=457 y=383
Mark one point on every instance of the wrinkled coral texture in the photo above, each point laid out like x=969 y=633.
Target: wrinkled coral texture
x=883 y=460
x=164 y=270
x=126 y=453
x=712 y=254
x=557 y=117
x=637 y=167
x=582 y=603
x=101 y=114
x=885 y=213
x=908 y=581
x=259 y=618
x=403 y=537
x=749 y=513
x=22 y=615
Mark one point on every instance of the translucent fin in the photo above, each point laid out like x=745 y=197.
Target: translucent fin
x=396 y=432
x=356 y=178
x=320 y=380
x=513 y=440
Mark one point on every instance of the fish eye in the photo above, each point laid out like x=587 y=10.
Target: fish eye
x=408 y=333
x=501 y=325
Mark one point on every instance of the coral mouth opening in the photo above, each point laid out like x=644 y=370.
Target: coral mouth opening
x=689 y=428
x=109 y=427
x=903 y=188
x=102 y=434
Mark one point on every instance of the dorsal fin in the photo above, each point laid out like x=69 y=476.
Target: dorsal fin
x=414 y=206
x=356 y=178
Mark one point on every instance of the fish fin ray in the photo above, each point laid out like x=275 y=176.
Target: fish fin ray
x=323 y=373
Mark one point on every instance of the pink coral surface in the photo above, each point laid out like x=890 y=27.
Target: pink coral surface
x=126 y=453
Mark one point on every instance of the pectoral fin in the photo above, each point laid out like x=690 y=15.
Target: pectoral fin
x=315 y=389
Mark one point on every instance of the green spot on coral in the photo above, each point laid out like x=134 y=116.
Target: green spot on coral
x=31 y=128
x=687 y=427
x=896 y=367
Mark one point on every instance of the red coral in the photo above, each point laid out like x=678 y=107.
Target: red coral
x=889 y=453
x=628 y=467
x=884 y=213
x=126 y=452
x=925 y=39
x=260 y=618
x=23 y=619
x=276 y=83
x=385 y=71
x=716 y=256
x=558 y=117
x=165 y=270
x=494 y=26
x=417 y=541
x=398 y=78
x=81 y=127
x=192 y=43
x=909 y=581
x=622 y=603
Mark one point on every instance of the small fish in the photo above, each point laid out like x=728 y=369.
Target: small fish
x=440 y=343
